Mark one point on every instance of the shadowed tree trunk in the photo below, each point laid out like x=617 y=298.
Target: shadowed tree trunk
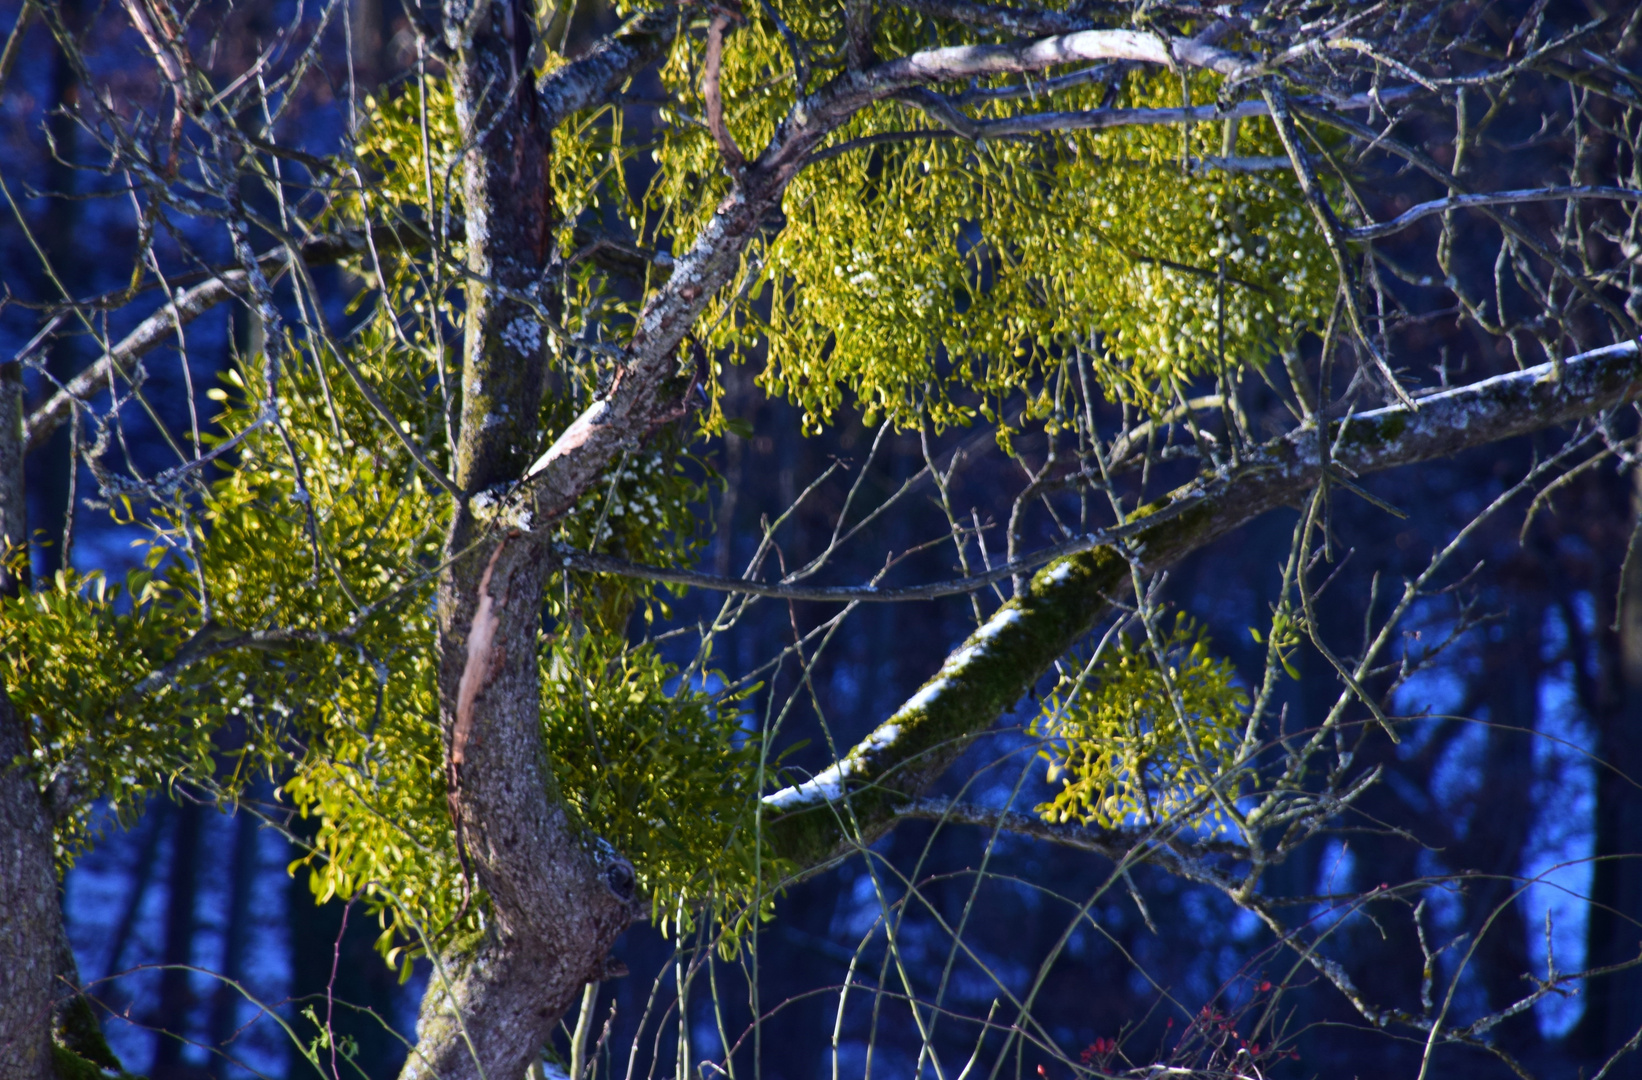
x=1501 y=818
x=235 y=936
x=59 y=232
x=1613 y=1003
x=175 y=1002
x=28 y=882
x=38 y=978
x=32 y=923
x=328 y=957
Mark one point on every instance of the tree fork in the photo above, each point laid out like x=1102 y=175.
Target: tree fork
x=558 y=900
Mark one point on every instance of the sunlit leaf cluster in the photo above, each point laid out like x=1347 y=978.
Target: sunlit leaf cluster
x=913 y=271
x=663 y=770
x=70 y=653
x=912 y=274
x=1145 y=734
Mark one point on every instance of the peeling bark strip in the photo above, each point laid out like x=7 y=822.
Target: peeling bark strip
x=1000 y=662
x=482 y=660
x=482 y=647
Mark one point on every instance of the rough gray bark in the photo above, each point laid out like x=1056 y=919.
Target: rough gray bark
x=558 y=900
x=33 y=921
x=46 y=1027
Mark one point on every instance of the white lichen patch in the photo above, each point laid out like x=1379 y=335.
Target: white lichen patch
x=523 y=335
x=825 y=787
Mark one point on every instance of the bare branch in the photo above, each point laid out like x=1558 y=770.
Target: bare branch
x=1005 y=657
x=848 y=594
x=734 y=160
x=593 y=77
x=1492 y=198
x=14 y=40
x=1034 y=21
x=1115 y=844
x=188 y=305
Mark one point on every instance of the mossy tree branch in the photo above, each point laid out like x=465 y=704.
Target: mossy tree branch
x=860 y=797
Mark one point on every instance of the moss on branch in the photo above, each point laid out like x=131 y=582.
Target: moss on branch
x=859 y=798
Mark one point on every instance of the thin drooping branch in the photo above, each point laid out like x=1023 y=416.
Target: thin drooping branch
x=14 y=41
x=713 y=62
x=1328 y=224
x=998 y=664
x=1490 y=198
x=944 y=110
x=1507 y=224
x=1116 y=844
x=119 y=360
x=1021 y=21
x=189 y=304
x=848 y=594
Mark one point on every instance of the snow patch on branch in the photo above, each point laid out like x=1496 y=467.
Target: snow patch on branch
x=827 y=786
x=1058 y=573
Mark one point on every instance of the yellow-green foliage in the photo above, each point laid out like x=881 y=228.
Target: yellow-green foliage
x=404 y=166
x=912 y=274
x=911 y=270
x=363 y=750
x=69 y=654
x=921 y=278
x=660 y=770
x=1136 y=741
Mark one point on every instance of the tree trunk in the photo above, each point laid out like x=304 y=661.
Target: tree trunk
x=236 y=935
x=38 y=978
x=1613 y=1003
x=557 y=900
x=1501 y=820
x=176 y=995
x=33 y=919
